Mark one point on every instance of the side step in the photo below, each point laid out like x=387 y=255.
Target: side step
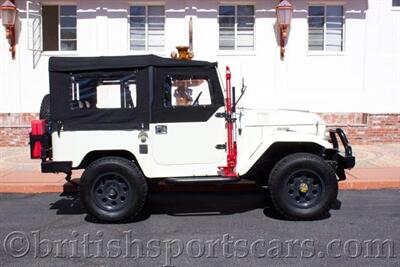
x=202 y=180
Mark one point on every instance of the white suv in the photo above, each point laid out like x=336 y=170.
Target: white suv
x=131 y=120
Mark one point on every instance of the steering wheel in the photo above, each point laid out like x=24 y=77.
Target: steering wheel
x=196 y=101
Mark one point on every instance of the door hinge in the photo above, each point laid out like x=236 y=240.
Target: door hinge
x=221 y=146
x=228 y=117
x=220 y=115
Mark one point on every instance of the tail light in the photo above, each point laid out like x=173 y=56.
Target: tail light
x=37 y=136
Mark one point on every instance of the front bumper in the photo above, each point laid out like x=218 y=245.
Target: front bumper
x=346 y=160
x=343 y=160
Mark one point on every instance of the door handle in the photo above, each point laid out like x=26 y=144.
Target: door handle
x=161 y=129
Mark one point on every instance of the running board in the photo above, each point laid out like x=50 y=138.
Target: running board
x=202 y=180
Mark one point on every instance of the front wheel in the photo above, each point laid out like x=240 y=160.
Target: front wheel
x=303 y=186
x=113 y=189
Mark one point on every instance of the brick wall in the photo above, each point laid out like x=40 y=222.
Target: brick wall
x=14 y=136
x=365 y=128
x=15 y=127
x=361 y=128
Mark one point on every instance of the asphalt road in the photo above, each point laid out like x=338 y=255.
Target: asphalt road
x=201 y=229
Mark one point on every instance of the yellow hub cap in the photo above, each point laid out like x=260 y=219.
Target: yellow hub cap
x=303 y=188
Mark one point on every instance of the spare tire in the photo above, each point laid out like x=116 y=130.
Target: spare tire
x=45 y=108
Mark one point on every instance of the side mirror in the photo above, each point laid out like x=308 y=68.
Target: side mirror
x=244 y=87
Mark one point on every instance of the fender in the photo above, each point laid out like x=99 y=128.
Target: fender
x=244 y=164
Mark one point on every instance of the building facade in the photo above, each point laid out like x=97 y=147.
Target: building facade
x=342 y=58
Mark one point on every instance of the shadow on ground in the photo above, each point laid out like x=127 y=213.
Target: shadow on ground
x=187 y=204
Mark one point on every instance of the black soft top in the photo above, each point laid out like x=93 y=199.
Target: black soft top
x=67 y=64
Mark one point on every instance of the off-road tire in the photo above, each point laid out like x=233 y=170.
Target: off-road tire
x=130 y=175
x=44 y=113
x=281 y=181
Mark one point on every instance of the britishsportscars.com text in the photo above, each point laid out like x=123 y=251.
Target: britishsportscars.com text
x=76 y=244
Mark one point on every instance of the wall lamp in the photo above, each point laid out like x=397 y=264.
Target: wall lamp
x=8 y=12
x=284 y=12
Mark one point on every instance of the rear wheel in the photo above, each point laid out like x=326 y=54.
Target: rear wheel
x=113 y=189
x=303 y=186
x=45 y=108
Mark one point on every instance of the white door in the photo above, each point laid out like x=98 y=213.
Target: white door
x=186 y=132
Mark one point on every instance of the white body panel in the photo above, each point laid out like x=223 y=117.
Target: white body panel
x=262 y=128
x=190 y=143
x=188 y=149
x=75 y=145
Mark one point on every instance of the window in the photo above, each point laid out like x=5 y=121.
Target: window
x=181 y=90
x=325 y=28
x=396 y=3
x=59 y=28
x=236 y=27
x=147 y=25
x=99 y=93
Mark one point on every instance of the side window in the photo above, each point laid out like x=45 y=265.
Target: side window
x=183 y=90
x=59 y=26
x=325 y=28
x=236 y=27
x=95 y=93
x=146 y=27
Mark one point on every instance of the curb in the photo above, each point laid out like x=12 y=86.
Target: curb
x=370 y=185
x=27 y=188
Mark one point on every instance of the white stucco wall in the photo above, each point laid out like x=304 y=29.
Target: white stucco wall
x=364 y=78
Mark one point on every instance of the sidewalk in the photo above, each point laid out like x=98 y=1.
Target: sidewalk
x=377 y=167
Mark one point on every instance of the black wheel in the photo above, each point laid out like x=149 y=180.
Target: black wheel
x=45 y=108
x=303 y=186
x=113 y=189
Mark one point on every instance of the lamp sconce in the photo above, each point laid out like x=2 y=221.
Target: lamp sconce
x=283 y=33
x=8 y=13
x=284 y=13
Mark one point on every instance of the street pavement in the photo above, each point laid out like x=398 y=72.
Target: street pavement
x=200 y=229
x=377 y=167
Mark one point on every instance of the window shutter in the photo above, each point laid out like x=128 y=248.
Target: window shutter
x=155 y=22
x=147 y=27
x=226 y=23
x=316 y=17
x=34 y=25
x=245 y=27
x=334 y=28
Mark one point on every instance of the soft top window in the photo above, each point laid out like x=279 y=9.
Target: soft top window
x=114 y=92
x=185 y=94
x=185 y=90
